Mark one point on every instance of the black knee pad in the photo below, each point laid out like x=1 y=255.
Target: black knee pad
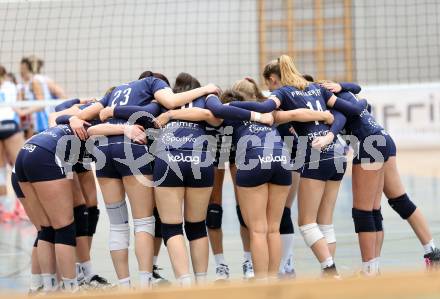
x=81 y=218
x=195 y=230
x=286 y=225
x=363 y=221
x=93 y=220
x=377 y=214
x=66 y=235
x=214 y=216
x=403 y=206
x=240 y=217
x=47 y=233
x=171 y=230
x=36 y=240
x=158 y=226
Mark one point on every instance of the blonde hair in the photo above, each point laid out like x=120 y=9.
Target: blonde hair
x=290 y=76
x=249 y=88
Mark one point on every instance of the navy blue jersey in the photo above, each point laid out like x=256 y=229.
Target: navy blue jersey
x=362 y=125
x=72 y=149
x=187 y=135
x=313 y=97
x=136 y=93
x=49 y=138
x=253 y=135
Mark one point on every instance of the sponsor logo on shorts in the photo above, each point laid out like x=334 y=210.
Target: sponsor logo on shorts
x=29 y=147
x=271 y=158
x=254 y=128
x=169 y=138
x=181 y=158
x=7 y=127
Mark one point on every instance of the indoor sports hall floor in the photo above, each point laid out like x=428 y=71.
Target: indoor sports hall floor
x=401 y=251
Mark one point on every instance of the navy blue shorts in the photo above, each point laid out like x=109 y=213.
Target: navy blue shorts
x=327 y=169
x=367 y=151
x=36 y=164
x=270 y=168
x=14 y=182
x=8 y=128
x=116 y=169
x=180 y=168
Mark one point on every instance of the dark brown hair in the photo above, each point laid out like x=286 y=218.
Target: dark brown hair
x=33 y=63
x=3 y=72
x=185 y=82
x=160 y=76
x=308 y=78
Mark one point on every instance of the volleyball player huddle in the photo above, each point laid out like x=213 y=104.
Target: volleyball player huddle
x=165 y=150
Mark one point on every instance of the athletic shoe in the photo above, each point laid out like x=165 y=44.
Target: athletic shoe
x=288 y=270
x=35 y=292
x=248 y=270
x=80 y=275
x=432 y=259
x=330 y=272
x=98 y=282
x=157 y=278
x=222 y=272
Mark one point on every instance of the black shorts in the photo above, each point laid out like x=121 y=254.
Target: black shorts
x=184 y=168
x=8 y=128
x=223 y=155
x=118 y=163
x=14 y=182
x=368 y=150
x=79 y=167
x=36 y=164
x=327 y=169
x=269 y=168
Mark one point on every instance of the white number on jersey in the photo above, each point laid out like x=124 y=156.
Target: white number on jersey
x=125 y=93
x=318 y=108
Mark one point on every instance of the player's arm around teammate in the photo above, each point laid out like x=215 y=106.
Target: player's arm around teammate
x=287 y=83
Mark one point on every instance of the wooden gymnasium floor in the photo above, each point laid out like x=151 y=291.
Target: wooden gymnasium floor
x=401 y=252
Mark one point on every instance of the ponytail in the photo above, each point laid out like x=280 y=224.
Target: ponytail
x=290 y=76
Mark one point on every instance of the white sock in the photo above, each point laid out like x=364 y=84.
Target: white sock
x=201 y=277
x=287 y=249
x=247 y=256
x=428 y=248
x=377 y=264
x=87 y=269
x=369 y=268
x=155 y=260
x=327 y=262
x=219 y=259
x=70 y=284
x=145 y=279
x=50 y=282
x=36 y=282
x=124 y=282
x=185 y=280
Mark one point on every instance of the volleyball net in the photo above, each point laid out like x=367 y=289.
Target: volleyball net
x=88 y=46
